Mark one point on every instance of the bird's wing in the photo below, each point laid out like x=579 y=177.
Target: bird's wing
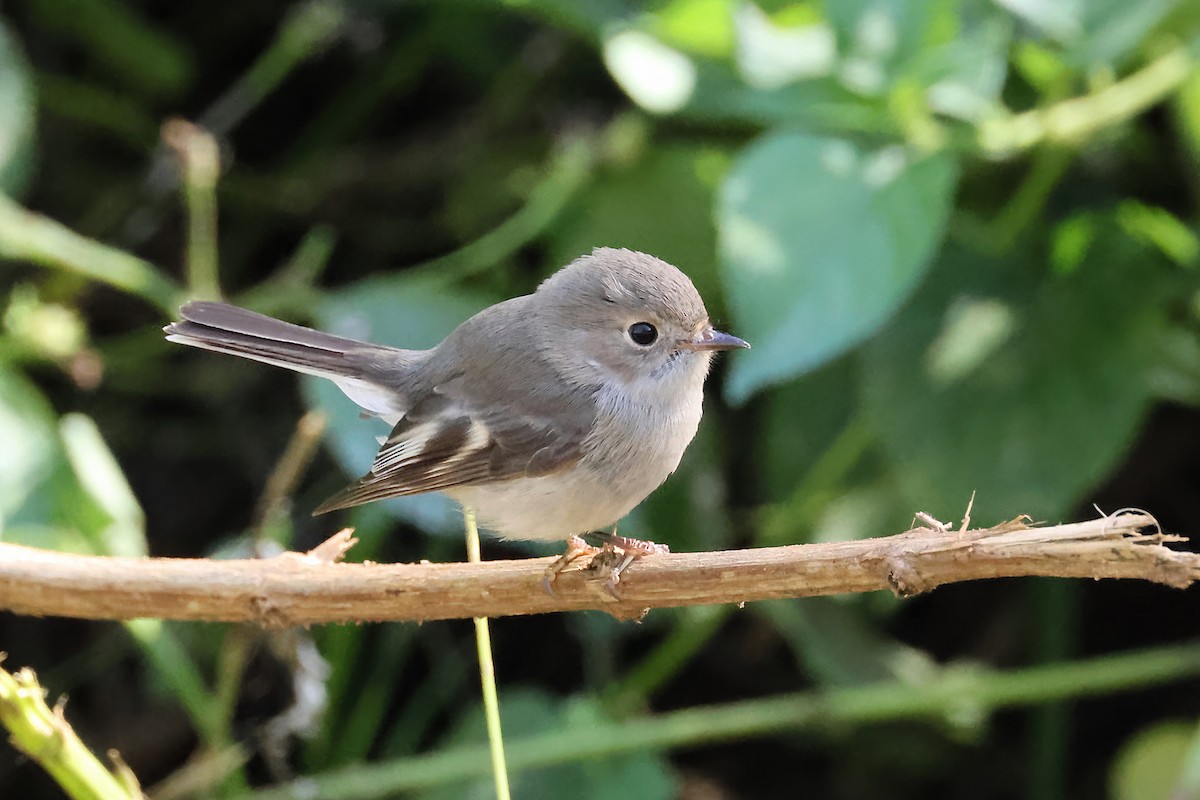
x=453 y=437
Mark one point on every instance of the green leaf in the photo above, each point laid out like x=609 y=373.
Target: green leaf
x=123 y=530
x=887 y=29
x=963 y=75
x=703 y=27
x=1023 y=389
x=47 y=537
x=79 y=501
x=1111 y=30
x=1094 y=33
x=837 y=645
x=1150 y=764
x=142 y=54
x=529 y=712
x=655 y=75
x=30 y=442
x=820 y=242
x=402 y=312
x=803 y=418
x=177 y=668
x=16 y=115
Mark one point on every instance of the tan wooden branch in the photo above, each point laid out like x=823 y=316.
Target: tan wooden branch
x=302 y=589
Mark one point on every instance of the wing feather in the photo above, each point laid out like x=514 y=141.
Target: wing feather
x=446 y=440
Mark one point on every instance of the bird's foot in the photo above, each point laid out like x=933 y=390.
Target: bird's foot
x=576 y=549
x=618 y=553
x=611 y=559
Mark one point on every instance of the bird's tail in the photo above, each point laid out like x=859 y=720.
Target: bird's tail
x=236 y=331
x=353 y=365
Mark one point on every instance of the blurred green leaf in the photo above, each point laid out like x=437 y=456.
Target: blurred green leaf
x=965 y=71
x=1150 y=763
x=59 y=514
x=886 y=30
x=530 y=712
x=402 y=312
x=144 y=56
x=1093 y=33
x=819 y=104
x=1058 y=21
x=838 y=646
x=624 y=207
x=178 y=670
x=659 y=78
x=101 y=478
x=16 y=115
x=48 y=537
x=588 y=19
x=1031 y=421
x=770 y=55
x=699 y=26
x=121 y=115
x=30 y=443
x=820 y=242
x=1162 y=229
x=803 y=417
x=1187 y=116
x=366 y=710
x=82 y=503
x=1110 y=30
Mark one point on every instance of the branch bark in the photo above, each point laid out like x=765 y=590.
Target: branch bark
x=303 y=589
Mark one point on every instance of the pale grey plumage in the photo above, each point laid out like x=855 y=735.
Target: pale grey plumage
x=541 y=412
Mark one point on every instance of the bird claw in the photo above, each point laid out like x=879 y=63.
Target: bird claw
x=611 y=560
x=576 y=549
x=628 y=550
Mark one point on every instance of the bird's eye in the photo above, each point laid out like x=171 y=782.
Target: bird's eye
x=643 y=333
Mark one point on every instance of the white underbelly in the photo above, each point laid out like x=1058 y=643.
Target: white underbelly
x=550 y=508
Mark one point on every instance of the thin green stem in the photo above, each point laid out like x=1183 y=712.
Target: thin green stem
x=200 y=165
x=812 y=493
x=1055 y=625
x=692 y=630
x=435 y=694
x=304 y=33
x=948 y=694
x=371 y=702
x=567 y=172
x=487 y=674
x=231 y=666
x=291 y=288
x=1026 y=204
x=179 y=672
x=1075 y=120
x=27 y=236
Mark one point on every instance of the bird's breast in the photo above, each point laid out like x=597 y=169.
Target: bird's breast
x=638 y=441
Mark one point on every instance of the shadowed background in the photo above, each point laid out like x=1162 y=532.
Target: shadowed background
x=961 y=236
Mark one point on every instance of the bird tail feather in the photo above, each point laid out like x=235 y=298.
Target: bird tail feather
x=228 y=329
x=359 y=369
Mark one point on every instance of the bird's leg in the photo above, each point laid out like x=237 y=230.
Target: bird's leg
x=576 y=548
x=630 y=550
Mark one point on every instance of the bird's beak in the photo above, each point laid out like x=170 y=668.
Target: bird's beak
x=709 y=339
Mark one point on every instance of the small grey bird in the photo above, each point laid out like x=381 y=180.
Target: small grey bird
x=552 y=415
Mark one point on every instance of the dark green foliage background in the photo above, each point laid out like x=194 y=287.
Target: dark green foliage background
x=962 y=237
